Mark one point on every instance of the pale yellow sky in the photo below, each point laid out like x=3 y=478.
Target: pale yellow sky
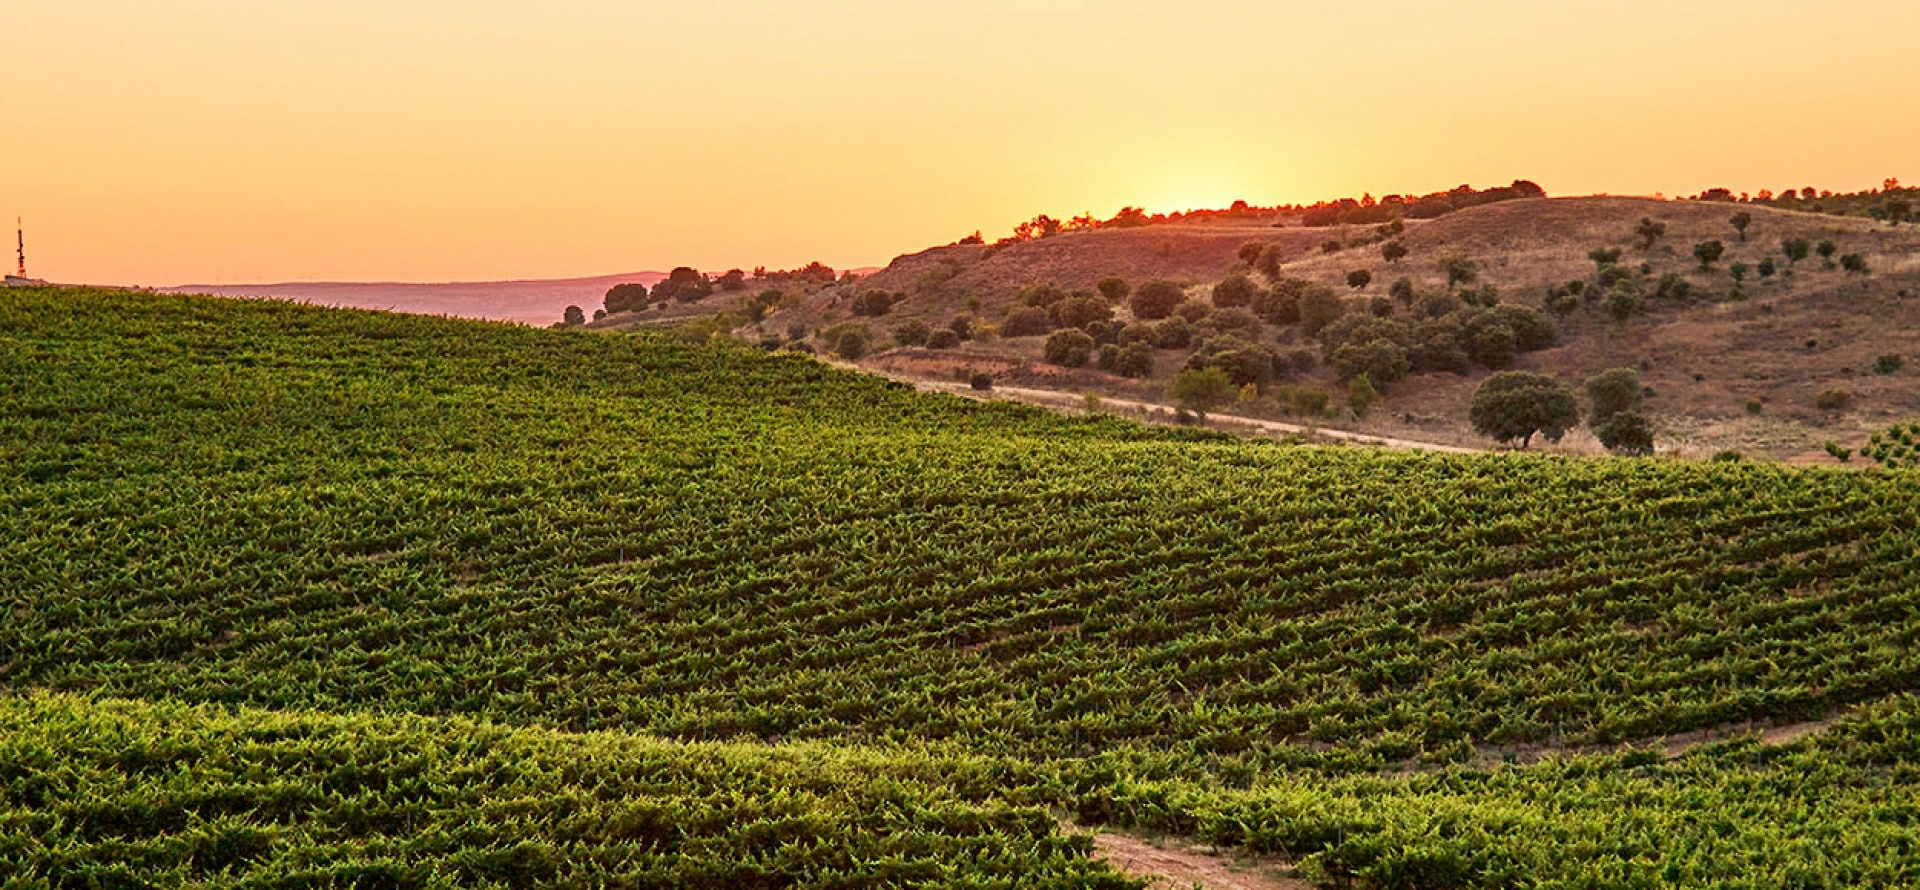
x=252 y=140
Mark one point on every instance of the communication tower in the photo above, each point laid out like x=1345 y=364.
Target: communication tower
x=20 y=231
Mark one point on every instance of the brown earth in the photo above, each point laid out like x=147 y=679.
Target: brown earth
x=1182 y=868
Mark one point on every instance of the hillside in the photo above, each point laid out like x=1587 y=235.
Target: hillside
x=856 y=635
x=1729 y=365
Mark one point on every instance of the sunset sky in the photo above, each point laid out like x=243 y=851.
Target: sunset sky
x=266 y=140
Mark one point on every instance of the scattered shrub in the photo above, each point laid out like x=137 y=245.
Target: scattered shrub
x=1358 y=279
x=1843 y=455
x=1393 y=251
x=1249 y=252
x=1361 y=395
x=1888 y=364
x=1626 y=432
x=1708 y=253
x=1078 y=312
x=1740 y=223
x=1826 y=250
x=980 y=381
x=851 y=345
x=1193 y=311
x=1795 y=249
x=1201 y=390
x=1401 y=290
x=1068 y=349
x=912 y=332
x=1134 y=360
x=1173 y=333
x=1648 y=232
x=1026 y=321
x=627 y=297
x=1754 y=406
x=1234 y=292
x=1612 y=392
x=1114 y=288
x=1854 y=263
x=1319 y=306
x=944 y=338
x=1138 y=332
x=1156 y=300
x=1833 y=400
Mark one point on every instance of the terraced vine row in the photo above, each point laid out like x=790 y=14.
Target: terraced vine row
x=271 y=506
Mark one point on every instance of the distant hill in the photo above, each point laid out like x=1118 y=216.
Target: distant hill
x=537 y=302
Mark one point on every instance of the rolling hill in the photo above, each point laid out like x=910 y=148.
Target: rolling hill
x=537 y=303
x=1728 y=365
x=309 y=597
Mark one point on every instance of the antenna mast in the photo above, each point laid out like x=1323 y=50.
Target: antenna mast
x=20 y=229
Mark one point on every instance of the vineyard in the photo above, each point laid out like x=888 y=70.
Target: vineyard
x=357 y=599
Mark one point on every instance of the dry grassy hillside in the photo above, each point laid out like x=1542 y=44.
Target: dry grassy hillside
x=1725 y=368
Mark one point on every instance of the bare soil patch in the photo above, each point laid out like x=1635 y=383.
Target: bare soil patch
x=1182 y=867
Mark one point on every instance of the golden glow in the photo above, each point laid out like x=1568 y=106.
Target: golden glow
x=247 y=140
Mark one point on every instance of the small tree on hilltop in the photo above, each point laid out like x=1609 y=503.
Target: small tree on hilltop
x=1201 y=390
x=575 y=316
x=1648 y=232
x=685 y=285
x=1708 y=253
x=1156 y=300
x=1740 y=222
x=1516 y=405
x=1393 y=251
x=1611 y=392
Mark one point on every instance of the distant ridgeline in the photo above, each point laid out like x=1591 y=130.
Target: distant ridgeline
x=1891 y=203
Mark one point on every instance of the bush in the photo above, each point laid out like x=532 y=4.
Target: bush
x=1728 y=457
x=1026 y=321
x=1626 y=432
x=1308 y=401
x=961 y=326
x=1532 y=329
x=1194 y=311
x=1249 y=252
x=1104 y=331
x=1842 y=455
x=1231 y=320
x=1888 y=364
x=912 y=332
x=851 y=345
x=1795 y=249
x=1854 y=263
x=1234 y=292
x=1740 y=223
x=1708 y=253
x=1826 y=249
x=1393 y=251
x=1517 y=405
x=1361 y=395
x=1173 y=333
x=1833 y=400
x=1648 y=232
x=874 y=303
x=1134 y=360
x=1156 y=300
x=800 y=346
x=1319 y=307
x=1078 y=312
x=1281 y=304
x=1247 y=365
x=574 y=316
x=981 y=381
x=1201 y=390
x=1358 y=279
x=1068 y=349
x=1612 y=392
x=1138 y=332
x=1603 y=257
x=1402 y=291
x=1459 y=270
x=944 y=338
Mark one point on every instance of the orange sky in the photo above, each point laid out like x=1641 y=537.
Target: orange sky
x=255 y=140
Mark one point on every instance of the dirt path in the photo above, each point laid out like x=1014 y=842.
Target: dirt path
x=1183 y=869
x=1047 y=398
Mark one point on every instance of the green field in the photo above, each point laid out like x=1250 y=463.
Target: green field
x=835 y=633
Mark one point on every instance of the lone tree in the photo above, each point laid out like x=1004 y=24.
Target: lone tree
x=1826 y=250
x=1201 y=390
x=1740 y=222
x=1708 y=253
x=1648 y=232
x=1516 y=405
x=1393 y=251
x=1460 y=270
x=574 y=316
x=1358 y=279
x=1796 y=249
x=1611 y=392
x=1156 y=300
